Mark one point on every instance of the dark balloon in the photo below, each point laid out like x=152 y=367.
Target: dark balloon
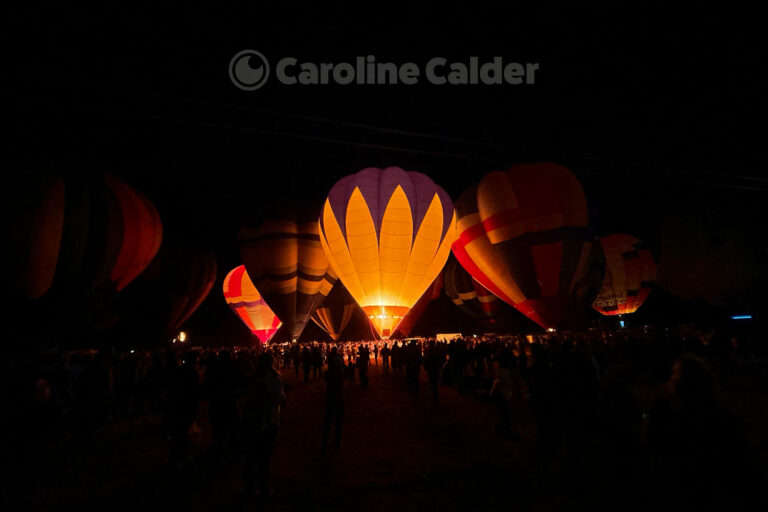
x=470 y=296
x=407 y=323
x=286 y=263
x=74 y=235
x=336 y=311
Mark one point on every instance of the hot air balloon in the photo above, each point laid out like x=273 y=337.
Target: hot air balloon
x=407 y=324
x=142 y=233
x=523 y=235
x=168 y=293
x=469 y=295
x=629 y=272
x=336 y=311
x=78 y=234
x=387 y=234
x=35 y=231
x=287 y=265
x=246 y=302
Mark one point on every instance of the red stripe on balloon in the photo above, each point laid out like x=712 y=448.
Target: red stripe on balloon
x=471 y=233
x=236 y=282
x=502 y=219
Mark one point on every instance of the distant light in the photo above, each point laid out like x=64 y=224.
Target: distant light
x=621 y=323
x=742 y=317
x=182 y=336
x=132 y=351
x=551 y=329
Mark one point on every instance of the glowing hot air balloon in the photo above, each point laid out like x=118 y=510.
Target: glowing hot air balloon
x=284 y=258
x=629 y=272
x=387 y=234
x=246 y=302
x=523 y=235
x=336 y=311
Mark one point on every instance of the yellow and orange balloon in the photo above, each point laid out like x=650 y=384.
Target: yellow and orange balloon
x=245 y=300
x=387 y=234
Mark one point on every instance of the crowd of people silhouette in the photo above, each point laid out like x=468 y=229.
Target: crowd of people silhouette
x=646 y=403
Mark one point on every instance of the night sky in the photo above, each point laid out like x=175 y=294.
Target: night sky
x=655 y=111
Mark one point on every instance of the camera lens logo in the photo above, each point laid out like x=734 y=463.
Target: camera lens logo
x=249 y=70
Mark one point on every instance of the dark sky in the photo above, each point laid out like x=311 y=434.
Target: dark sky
x=654 y=110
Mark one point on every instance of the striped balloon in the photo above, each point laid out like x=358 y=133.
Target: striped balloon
x=387 y=234
x=336 y=311
x=244 y=299
x=288 y=266
x=629 y=274
x=142 y=233
x=469 y=295
x=73 y=235
x=523 y=235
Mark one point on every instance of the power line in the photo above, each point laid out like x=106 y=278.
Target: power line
x=438 y=154
x=349 y=124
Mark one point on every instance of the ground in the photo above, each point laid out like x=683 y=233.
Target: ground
x=399 y=452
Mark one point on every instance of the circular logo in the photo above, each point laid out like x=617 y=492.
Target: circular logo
x=249 y=70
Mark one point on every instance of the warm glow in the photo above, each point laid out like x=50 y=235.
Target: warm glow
x=387 y=234
x=182 y=336
x=630 y=271
x=244 y=299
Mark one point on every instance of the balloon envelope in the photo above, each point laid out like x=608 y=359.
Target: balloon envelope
x=387 y=234
x=336 y=311
x=244 y=299
x=523 y=235
x=407 y=324
x=75 y=234
x=287 y=265
x=469 y=295
x=629 y=272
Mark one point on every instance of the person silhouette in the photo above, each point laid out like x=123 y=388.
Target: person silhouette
x=334 y=400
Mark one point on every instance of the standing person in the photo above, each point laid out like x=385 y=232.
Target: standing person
x=334 y=400
x=264 y=402
x=385 y=353
x=182 y=406
x=375 y=354
x=296 y=356
x=351 y=365
x=433 y=363
x=363 y=358
x=221 y=387
x=502 y=393
x=412 y=362
x=397 y=351
x=306 y=363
